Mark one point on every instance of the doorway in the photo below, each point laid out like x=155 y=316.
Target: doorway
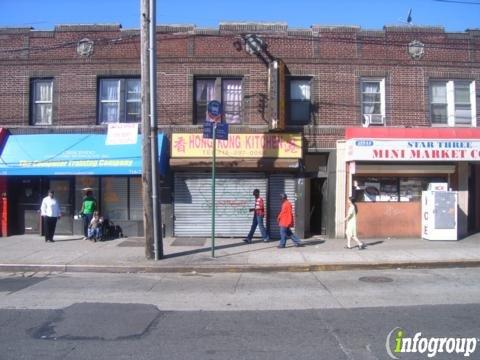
x=63 y=193
x=318 y=210
x=25 y=194
x=474 y=198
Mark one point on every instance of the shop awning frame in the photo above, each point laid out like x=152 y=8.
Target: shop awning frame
x=74 y=154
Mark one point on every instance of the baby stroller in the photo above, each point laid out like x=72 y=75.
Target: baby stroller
x=110 y=231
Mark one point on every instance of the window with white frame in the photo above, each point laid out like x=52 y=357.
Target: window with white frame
x=41 y=106
x=226 y=90
x=373 y=101
x=299 y=102
x=452 y=103
x=119 y=100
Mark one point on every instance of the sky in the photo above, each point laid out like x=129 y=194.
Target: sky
x=453 y=15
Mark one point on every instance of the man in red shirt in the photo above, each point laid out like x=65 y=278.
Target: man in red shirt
x=258 y=215
x=285 y=222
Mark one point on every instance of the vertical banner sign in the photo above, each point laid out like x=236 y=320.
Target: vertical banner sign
x=282 y=94
x=273 y=94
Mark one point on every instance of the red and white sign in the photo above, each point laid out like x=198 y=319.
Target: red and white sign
x=122 y=134
x=423 y=144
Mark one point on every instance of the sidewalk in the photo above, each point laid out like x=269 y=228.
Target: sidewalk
x=71 y=253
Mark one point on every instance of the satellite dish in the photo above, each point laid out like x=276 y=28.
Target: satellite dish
x=409 y=17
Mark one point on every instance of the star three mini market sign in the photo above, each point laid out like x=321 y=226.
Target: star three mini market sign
x=239 y=146
x=413 y=145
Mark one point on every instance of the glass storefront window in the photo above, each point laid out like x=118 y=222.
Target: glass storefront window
x=404 y=189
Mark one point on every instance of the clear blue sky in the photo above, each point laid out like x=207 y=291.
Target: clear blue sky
x=454 y=15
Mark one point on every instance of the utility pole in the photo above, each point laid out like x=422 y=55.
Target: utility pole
x=151 y=208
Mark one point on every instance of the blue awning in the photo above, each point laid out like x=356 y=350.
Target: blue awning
x=74 y=154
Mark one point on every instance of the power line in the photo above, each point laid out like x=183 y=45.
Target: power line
x=364 y=40
x=459 y=2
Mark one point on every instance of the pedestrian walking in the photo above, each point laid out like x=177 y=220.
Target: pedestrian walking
x=50 y=212
x=351 y=225
x=258 y=216
x=89 y=205
x=285 y=222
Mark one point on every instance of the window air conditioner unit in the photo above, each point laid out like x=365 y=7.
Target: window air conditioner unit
x=372 y=119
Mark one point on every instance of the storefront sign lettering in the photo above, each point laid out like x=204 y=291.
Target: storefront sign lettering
x=77 y=163
x=239 y=146
x=405 y=150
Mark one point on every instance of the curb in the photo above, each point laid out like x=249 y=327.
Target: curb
x=119 y=269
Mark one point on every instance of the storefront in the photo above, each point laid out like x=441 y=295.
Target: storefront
x=386 y=170
x=268 y=162
x=67 y=164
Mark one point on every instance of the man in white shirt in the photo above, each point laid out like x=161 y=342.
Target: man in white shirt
x=50 y=211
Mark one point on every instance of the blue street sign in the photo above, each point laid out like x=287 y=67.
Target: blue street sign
x=214 y=109
x=208 y=130
x=221 y=133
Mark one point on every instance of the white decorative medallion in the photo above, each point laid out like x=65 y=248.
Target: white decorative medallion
x=416 y=50
x=85 y=47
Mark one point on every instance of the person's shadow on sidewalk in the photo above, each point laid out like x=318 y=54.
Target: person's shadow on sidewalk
x=271 y=244
x=373 y=243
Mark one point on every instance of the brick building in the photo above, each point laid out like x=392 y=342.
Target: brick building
x=303 y=105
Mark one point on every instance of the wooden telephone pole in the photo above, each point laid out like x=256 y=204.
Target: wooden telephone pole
x=151 y=206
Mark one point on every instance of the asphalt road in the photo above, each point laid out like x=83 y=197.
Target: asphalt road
x=332 y=315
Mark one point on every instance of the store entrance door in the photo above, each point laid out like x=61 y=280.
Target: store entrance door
x=63 y=188
x=318 y=211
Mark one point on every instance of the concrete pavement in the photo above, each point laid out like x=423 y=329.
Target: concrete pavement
x=71 y=253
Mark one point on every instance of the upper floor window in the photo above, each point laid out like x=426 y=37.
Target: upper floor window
x=41 y=106
x=119 y=100
x=373 y=101
x=226 y=90
x=452 y=102
x=299 y=102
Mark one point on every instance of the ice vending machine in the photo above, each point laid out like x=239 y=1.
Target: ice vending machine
x=439 y=213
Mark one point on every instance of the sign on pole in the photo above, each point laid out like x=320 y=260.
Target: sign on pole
x=221 y=131
x=214 y=111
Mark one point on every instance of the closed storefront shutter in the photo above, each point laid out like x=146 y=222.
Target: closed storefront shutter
x=193 y=197
x=279 y=184
x=136 y=199
x=115 y=198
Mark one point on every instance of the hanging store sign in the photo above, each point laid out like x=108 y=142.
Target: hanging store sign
x=287 y=146
x=122 y=134
x=413 y=149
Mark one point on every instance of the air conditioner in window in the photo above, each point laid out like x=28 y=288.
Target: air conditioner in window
x=373 y=119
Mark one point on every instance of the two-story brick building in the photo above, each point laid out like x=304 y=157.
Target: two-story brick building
x=303 y=106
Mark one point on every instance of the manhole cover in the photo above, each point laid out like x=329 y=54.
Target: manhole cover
x=376 y=279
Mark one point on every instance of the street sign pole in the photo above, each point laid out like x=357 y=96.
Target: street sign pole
x=214 y=111
x=213 y=186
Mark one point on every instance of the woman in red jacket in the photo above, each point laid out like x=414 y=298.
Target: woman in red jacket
x=285 y=222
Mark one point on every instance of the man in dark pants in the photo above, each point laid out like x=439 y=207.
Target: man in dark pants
x=89 y=205
x=285 y=222
x=50 y=211
x=258 y=215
